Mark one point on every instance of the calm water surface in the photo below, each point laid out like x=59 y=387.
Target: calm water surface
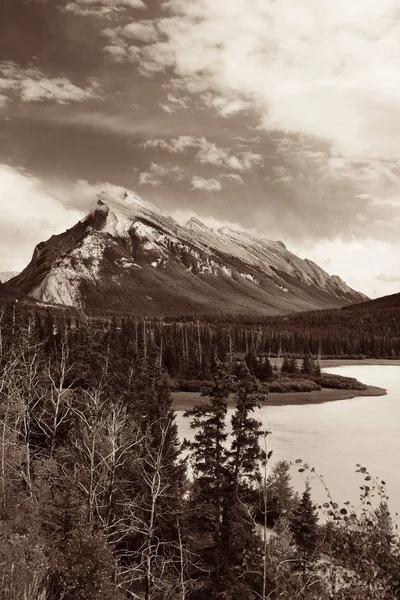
x=335 y=436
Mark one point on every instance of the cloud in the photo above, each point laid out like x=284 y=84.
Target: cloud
x=388 y=278
x=120 y=47
x=208 y=152
x=82 y=195
x=172 y=103
x=175 y=145
x=279 y=175
x=147 y=178
x=157 y=173
x=206 y=185
x=78 y=10
x=32 y=85
x=128 y=3
x=224 y=106
x=144 y=31
x=327 y=71
x=233 y=178
x=29 y=215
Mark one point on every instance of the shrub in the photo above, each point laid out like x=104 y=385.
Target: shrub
x=328 y=380
x=284 y=385
x=192 y=385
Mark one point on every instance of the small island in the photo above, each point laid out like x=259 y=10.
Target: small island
x=285 y=382
x=186 y=400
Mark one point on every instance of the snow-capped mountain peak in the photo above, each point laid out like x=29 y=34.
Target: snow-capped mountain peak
x=126 y=251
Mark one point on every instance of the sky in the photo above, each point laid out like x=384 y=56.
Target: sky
x=278 y=117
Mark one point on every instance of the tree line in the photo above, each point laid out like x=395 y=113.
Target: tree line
x=101 y=500
x=190 y=350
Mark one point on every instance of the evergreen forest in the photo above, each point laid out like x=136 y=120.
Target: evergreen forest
x=101 y=500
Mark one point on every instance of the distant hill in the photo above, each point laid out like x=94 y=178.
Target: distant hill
x=7 y=275
x=126 y=257
x=392 y=301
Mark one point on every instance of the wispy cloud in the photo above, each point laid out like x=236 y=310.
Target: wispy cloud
x=233 y=178
x=129 y=3
x=388 y=278
x=205 y=185
x=172 y=103
x=105 y=12
x=156 y=174
x=208 y=152
x=32 y=85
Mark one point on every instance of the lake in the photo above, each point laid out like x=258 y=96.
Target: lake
x=333 y=437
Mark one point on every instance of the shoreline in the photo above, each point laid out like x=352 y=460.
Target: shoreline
x=186 y=400
x=343 y=362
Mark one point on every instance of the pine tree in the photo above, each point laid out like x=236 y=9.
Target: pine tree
x=245 y=453
x=251 y=360
x=285 y=368
x=304 y=523
x=244 y=478
x=307 y=367
x=293 y=365
x=265 y=369
x=280 y=493
x=210 y=467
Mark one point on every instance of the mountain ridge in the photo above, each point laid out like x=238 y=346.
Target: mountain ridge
x=383 y=302
x=125 y=255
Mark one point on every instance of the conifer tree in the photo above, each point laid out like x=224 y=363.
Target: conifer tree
x=210 y=466
x=307 y=367
x=292 y=365
x=304 y=523
x=265 y=369
x=280 y=493
x=244 y=478
x=285 y=368
x=251 y=360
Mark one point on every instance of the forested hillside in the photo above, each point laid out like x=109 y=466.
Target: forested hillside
x=390 y=301
x=97 y=501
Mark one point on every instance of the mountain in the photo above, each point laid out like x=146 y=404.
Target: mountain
x=384 y=302
x=7 y=275
x=126 y=256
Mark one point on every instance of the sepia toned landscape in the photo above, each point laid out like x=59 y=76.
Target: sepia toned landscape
x=199 y=300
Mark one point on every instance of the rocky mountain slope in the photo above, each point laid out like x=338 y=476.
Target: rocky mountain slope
x=125 y=256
